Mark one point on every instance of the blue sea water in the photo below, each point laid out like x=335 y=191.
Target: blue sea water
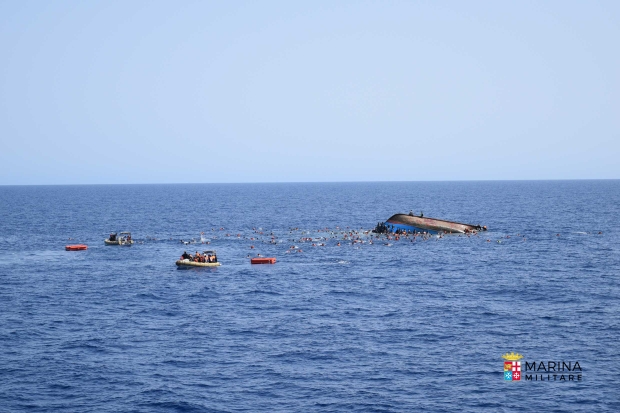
x=411 y=326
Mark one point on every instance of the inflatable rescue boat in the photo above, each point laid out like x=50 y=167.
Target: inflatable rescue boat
x=188 y=263
x=124 y=238
x=206 y=259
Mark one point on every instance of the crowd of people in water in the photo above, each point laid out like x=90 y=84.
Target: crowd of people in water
x=198 y=257
x=343 y=235
x=382 y=234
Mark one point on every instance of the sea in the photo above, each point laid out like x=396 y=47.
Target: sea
x=396 y=325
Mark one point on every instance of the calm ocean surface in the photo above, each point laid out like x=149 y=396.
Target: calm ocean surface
x=415 y=326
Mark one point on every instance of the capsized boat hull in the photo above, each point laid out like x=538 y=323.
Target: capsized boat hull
x=188 y=263
x=410 y=223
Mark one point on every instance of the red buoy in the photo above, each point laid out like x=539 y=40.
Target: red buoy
x=77 y=247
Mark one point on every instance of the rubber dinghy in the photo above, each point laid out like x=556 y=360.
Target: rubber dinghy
x=188 y=263
x=412 y=223
x=123 y=239
x=207 y=259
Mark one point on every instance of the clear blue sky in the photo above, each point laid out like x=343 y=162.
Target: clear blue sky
x=231 y=91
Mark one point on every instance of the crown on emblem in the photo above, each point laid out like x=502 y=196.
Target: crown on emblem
x=512 y=356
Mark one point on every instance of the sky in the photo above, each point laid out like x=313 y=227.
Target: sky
x=106 y=92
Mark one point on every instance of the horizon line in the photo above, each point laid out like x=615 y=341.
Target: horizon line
x=319 y=182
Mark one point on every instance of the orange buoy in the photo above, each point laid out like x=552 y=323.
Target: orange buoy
x=263 y=260
x=78 y=247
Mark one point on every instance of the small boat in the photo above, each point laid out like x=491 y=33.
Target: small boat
x=188 y=263
x=412 y=224
x=76 y=247
x=210 y=257
x=124 y=238
x=263 y=260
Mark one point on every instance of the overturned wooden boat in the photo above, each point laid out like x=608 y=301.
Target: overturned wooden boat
x=414 y=224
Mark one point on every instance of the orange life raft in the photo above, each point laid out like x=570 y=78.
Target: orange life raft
x=263 y=260
x=77 y=247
